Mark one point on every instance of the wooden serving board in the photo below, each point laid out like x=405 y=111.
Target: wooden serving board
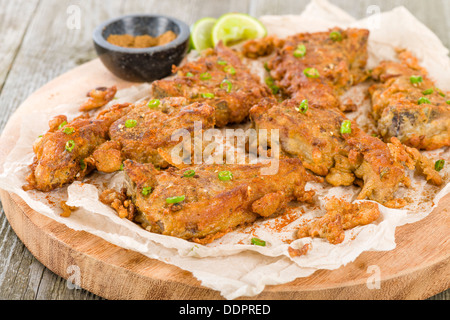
x=417 y=268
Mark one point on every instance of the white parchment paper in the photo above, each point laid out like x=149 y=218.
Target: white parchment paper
x=231 y=264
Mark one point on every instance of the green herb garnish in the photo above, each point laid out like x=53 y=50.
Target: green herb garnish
x=154 y=103
x=346 y=126
x=225 y=175
x=189 y=173
x=439 y=165
x=70 y=145
x=258 y=242
x=303 y=107
x=311 y=73
x=146 y=191
x=300 y=51
x=175 y=199
x=424 y=100
x=415 y=79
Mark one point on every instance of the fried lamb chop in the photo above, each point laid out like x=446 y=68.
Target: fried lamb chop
x=318 y=66
x=332 y=146
x=151 y=129
x=218 y=78
x=206 y=201
x=407 y=104
x=60 y=153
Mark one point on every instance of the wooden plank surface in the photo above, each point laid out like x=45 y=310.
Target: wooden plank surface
x=42 y=42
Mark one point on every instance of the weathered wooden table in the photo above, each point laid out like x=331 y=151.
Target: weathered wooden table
x=41 y=39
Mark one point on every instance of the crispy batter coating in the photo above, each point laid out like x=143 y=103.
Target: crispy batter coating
x=315 y=137
x=98 y=97
x=340 y=216
x=60 y=152
x=218 y=78
x=146 y=130
x=340 y=64
x=397 y=108
x=211 y=207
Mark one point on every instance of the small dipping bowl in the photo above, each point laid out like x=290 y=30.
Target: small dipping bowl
x=141 y=64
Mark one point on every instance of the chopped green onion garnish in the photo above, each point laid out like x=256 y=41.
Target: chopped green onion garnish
x=428 y=91
x=82 y=164
x=40 y=136
x=208 y=95
x=189 y=74
x=439 y=91
x=205 y=76
x=266 y=66
x=346 y=126
x=62 y=124
x=439 y=165
x=68 y=130
x=415 y=79
x=176 y=199
x=154 y=103
x=300 y=51
x=423 y=100
x=70 y=145
x=258 y=242
x=226 y=83
x=189 y=173
x=311 y=73
x=225 y=175
x=121 y=167
x=269 y=81
x=130 y=123
x=335 y=36
x=303 y=107
x=222 y=62
x=229 y=69
x=275 y=89
x=447 y=102
x=146 y=190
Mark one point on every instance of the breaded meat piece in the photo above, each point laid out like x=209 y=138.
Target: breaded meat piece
x=316 y=66
x=344 y=158
x=206 y=201
x=98 y=97
x=406 y=104
x=218 y=78
x=153 y=126
x=61 y=151
x=340 y=216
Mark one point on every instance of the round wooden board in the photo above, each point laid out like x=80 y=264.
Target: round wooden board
x=417 y=268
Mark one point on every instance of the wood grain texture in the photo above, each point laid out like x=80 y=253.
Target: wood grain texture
x=40 y=47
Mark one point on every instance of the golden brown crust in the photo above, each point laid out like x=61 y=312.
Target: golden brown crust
x=340 y=216
x=396 y=107
x=210 y=206
x=152 y=128
x=60 y=152
x=202 y=80
x=98 y=98
x=340 y=64
x=342 y=158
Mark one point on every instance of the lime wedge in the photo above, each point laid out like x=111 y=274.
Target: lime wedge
x=201 y=34
x=232 y=28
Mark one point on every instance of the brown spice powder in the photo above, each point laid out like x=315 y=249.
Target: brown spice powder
x=142 y=41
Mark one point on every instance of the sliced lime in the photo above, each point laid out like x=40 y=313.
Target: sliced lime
x=201 y=34
x=232 y=28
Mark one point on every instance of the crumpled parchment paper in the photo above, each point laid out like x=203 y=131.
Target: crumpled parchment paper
x=231 y=264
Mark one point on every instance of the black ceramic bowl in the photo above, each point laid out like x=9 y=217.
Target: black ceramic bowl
x=141 y=64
